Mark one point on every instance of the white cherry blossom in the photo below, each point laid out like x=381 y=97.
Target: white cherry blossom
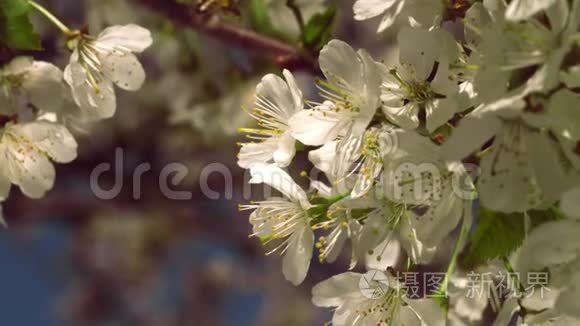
x=426 y=13
x=277 y=101
x=284 y=220
x=554 y=248
x=440 y=193
x=25 y=82
x=389 y=307
x=352 y=95
x=98 y=63
x=423 y=80
x=523 y=168
x=26 y=151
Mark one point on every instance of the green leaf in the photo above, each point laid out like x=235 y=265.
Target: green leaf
x=16 y=30
x=259 y=16
x=496 y=235
x=499 y=234
x=317 y=31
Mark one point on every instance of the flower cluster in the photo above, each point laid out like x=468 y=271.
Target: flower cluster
x=486 y=118
x=39 y=103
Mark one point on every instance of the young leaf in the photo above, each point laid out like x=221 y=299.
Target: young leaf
x=497 y=234
x=16 y=30
x=318 y=29
x=259 y=16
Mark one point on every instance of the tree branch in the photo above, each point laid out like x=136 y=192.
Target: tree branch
x=283 y=54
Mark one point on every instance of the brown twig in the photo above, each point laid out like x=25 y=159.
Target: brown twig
x=283 y=54
x=6 y=54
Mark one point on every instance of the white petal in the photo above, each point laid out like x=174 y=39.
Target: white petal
x=567 y=302
x=507 y=181
x=342 y=66
x=541 y=251
x=367 y=99
x=4 y=181
x=405 y=116
x=262 y=152
x=508 y=310
x=523 y=9
x=294 y=90
x=374 y=232
x=386 y=254
x=123 y=69
x=323 y=158
x=558 y=15
x=428 y=311
x=132 y=37
x=318 y=126
x=51 y=138
x=439 y=220
x=439 y=112
x=366 y=9
x=469 y=136
x=366 y=180
x=17 y=66
x=419 y=48
x=571 y=77
x=570 y=203
x=323 y=190
x=547 y=160
x=335 y=290
x=28 y=168
x=282 y=98
x=286 y=150
x=564 y=113
x=390 y=16
x=337 y=238
x=96 y=103
x=417 y=251
x=298 y=255
x=279 y=180
x=44 y=84
x=476 y=17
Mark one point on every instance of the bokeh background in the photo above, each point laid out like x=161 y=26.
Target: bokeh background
x=73 y=259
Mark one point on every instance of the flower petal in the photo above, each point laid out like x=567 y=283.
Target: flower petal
x=298 y=255
x=390 y=16
x=405 y=116
x=53 y=139
x=28 y=168
x=123 y=69
x=318 y=126
x=280 y=99
x=522 y=9
x=469 y=136
x=262 y=152
x=366 y=9
x=96 y=102
x=132 y=37
x=334 y=291
x=280 y=180
x=323 y=157
x=286 y=150
x=570 y=203
x=439 y=112
x=342 y=66
x=45 y=87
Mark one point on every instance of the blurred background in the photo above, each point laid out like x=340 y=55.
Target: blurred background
x=74 y=259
